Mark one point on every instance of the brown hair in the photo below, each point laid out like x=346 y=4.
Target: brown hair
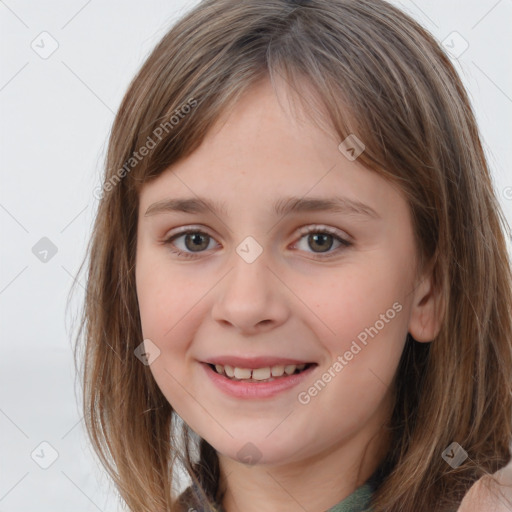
x=380 y=76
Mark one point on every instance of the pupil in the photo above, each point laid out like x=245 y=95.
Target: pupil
x=196 y=241
x=320 y=239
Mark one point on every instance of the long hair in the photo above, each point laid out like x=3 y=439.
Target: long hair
x=378 y=74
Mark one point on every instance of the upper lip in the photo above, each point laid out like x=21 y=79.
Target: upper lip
x=254 y=362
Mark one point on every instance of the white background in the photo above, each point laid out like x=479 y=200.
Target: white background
x=56 y=114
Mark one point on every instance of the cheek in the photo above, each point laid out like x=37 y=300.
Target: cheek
x=165 y=293
x=364 y=314
x=357 y=302
x=168 y=307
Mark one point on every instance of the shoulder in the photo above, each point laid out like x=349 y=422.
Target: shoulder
x=487 y=494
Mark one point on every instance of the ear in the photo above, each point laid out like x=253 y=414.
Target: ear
x=426 y=311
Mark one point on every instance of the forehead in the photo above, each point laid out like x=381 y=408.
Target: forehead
x=261 y=154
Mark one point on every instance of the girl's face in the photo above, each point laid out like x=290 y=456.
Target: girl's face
x=276 y=277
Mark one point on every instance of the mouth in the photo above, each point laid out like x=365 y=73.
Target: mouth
x=261 y=375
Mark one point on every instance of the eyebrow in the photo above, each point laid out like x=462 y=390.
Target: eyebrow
x=284 y=206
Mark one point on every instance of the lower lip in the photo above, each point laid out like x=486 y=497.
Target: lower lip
x=241 y=389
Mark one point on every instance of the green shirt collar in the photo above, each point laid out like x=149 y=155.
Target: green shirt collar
x=358 y=501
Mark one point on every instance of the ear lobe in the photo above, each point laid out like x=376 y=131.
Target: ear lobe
x=427 y=312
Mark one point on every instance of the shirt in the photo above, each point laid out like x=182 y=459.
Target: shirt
x=358 y=501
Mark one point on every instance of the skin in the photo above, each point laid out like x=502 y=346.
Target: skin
x=291 y=301
x=490 y=494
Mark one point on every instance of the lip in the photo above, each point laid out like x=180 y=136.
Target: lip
x=251 y=390
x=252 y=363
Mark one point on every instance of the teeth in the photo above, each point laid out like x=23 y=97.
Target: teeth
x=261 y=373
x=242 y=373
x=258 y=373
x=290 y=368
x=277 y=371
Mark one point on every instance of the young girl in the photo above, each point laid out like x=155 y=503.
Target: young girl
x=299 y=290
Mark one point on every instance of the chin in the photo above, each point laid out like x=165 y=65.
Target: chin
x=256 y=453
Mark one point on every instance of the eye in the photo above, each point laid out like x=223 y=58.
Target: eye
x=194 y=240
x=320 y=239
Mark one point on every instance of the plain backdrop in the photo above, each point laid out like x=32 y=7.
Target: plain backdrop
x=56 y=113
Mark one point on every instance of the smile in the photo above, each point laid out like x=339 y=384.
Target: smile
x=265 y=374
x=258 y=382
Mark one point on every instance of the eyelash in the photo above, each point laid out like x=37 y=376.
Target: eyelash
x=303 y=232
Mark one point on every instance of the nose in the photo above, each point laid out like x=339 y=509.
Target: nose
x=251 y=298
